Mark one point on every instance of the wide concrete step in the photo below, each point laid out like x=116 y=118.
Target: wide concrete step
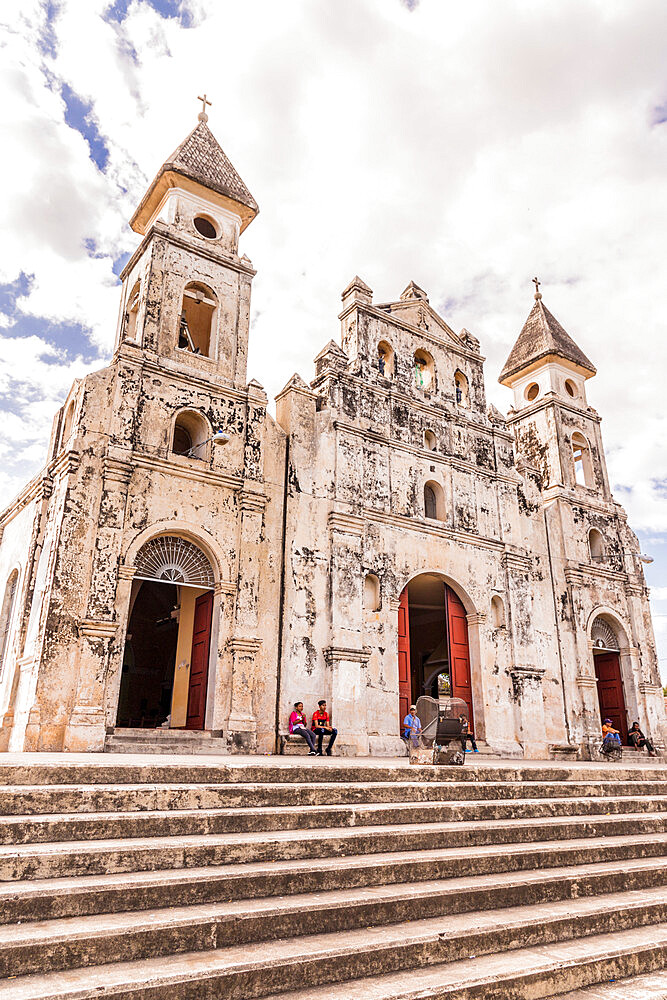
x=97 y=940
x=44 y=899
x=526 y=974
x=652 y=986
x=47 y=828
x=251 y=971
x=67 y=858
x=80 y=798
x=107 y=769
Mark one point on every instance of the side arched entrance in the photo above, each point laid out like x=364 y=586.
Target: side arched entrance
x=166 y=659
x=607 y=658
x=433 y=648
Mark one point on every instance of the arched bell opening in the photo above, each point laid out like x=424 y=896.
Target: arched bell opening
x=433 y=644
x=164 y=680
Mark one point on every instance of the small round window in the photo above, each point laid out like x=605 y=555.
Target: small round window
x=205 y=227
x=570 y=388
x=533 y=391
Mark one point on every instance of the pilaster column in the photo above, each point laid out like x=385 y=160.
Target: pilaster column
x=245 y=643
x=527 y=685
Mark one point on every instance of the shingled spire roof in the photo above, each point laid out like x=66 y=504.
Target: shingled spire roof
x=542 y=336
x=199 y=159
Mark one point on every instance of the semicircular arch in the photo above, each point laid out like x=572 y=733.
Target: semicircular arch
x=203 y=541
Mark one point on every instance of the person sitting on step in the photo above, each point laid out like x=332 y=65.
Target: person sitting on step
x=412 y=726
x=298 y=726
x=467 y=734
x=637 y=740
x=321 y=725
x=610 y=736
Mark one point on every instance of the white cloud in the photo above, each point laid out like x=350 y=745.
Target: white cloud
x=465 y=146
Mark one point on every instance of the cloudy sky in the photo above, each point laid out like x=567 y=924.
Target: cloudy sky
x=465 y=146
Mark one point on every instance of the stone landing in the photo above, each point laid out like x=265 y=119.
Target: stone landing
x=176 y=878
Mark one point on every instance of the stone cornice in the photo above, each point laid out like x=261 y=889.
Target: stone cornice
x=161 y=231
x=572 y=497
x=550 y=399
x=97 y=628
x=349 y=524
x=126 y=572
x=517 y=560
x=429 y=527
x=586 y=682
x=333 y=654
x=647 y=688
x=252 y=502
x=65 y=464
x=595 y=570
x=527 y=672
x=199 y=475
x=117 y=470
x=175 y=373
x=225 y=587
x=243 y=645
x=433 y=457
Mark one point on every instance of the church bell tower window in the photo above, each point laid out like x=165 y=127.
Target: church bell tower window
x=197 y=318
x=205 y=227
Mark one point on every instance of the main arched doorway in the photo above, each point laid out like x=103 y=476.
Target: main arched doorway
x=607 y=658
x=165 y=664
x=433 y=650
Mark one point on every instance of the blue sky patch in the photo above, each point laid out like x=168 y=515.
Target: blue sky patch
x=176 y=9
x=78 y=116
x=47 y=38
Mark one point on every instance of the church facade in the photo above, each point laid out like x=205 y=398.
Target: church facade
x=186 y=561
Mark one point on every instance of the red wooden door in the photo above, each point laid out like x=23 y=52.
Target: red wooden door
x=610 y=692
x=404 y=680
x=201 y=640
x=459 y=653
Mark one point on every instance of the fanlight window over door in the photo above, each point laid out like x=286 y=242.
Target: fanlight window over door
x=172 y=559
x=603 y=635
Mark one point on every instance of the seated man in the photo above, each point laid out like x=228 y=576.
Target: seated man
x=298 y=726
x=637 y=739
x=610 y=736
x=412 y=726
x=321 y=725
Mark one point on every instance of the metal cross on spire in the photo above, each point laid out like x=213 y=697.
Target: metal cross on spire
x=202 y=116
x=538 y=294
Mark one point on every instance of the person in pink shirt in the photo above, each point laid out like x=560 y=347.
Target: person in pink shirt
x=298 y=726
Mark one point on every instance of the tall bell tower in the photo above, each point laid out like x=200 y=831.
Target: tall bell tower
x=186 y=290
x=556 y=431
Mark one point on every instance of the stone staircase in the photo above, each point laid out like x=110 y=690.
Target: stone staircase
x=330 y=880
x=164 y=741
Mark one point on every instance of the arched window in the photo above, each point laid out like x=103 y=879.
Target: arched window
x=371 y=593
x=497 y=611
x=582 y=460
x=429 y=440
x=171 y=559
x=424 y=370
x=198 y=313
x=385 y=359
x=596 y=546
x=6 y=616
x=603 y=635
x=132 y=313
x=434 y=501
x=461 y=389
x=191 y=434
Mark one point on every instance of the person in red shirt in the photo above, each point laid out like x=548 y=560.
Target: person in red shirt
x=321 y=726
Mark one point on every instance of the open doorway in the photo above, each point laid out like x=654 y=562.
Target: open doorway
x=607 y=659
x=150 y=657
x=434 y=656
x=164 y=681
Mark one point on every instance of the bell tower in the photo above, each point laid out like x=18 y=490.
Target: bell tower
x=556 y=431
x=186 y=290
